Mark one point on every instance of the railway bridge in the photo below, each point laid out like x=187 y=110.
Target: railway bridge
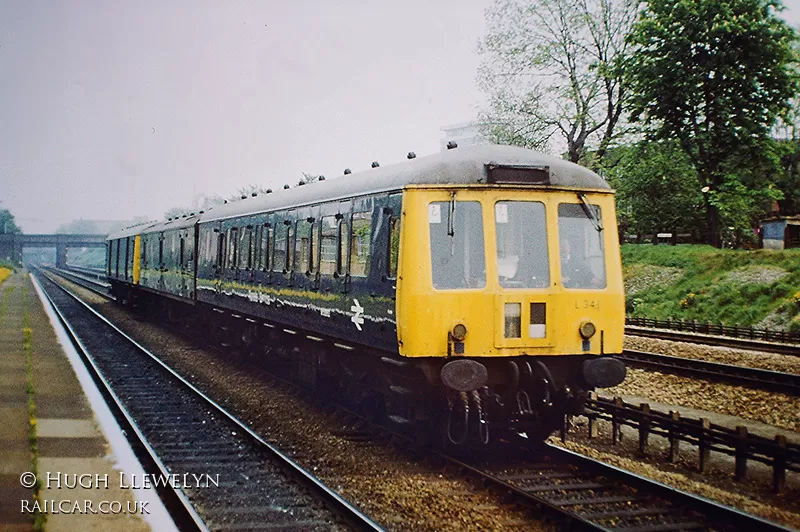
x=11 y=245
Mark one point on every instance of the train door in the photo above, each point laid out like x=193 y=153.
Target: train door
x=265 y=237
x=341 y=275
x=244 y=252
x=230 y=241
x=127 y=257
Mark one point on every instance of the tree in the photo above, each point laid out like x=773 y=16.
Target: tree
x=7 y=223
x=79 y=227
x=555 y=67
x=714 y=75
x=656 y=189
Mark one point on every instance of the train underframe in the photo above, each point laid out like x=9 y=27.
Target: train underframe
x=442 y=401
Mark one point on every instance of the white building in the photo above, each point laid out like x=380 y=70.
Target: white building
x=464 y=134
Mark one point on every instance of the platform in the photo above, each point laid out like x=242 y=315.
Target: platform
x=70 y=445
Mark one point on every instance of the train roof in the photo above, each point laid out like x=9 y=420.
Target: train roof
x=460 y=166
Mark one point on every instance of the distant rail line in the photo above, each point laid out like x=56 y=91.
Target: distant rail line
x=771 y=381
x=770 y=346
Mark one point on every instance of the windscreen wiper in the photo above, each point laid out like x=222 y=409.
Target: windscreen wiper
x=590 y=213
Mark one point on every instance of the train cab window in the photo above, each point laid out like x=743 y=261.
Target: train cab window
x=522 y=257
x=243 y=248
x=580 y=247
x=302 y=250
x=360 y=233
x=457 y=251
x=328 y=245
x=394 y=246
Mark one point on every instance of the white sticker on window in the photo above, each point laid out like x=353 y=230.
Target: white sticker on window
x=434 y=213
x=501 y=213
x=331 y=220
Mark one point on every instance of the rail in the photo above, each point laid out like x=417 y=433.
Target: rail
x=718 y=329
x=776 y=453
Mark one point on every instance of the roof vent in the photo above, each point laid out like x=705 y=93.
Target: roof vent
x=301 y=183
x=321 y=178
x=411 y=155
x=375 y=164
x=225 y=202
x=254 y=194
x=347 y=171
x=269 y=191
x=452 y=144
x=286 y=187
x=244 y=196
x=201 y=212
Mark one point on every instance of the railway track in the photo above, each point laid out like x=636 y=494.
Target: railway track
x=577 y=492
x=584 y=493
x=772 y=381
x=91 y=281
x=708 y=339
x=244 y=481
x=581 y=493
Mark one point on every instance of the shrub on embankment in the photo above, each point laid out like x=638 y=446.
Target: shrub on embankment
x=759 y=288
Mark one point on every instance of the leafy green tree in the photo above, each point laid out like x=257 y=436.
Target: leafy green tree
x=656 y=189
x=787 y=134
x=7 y=223
x=554 y=68
x=714 y=75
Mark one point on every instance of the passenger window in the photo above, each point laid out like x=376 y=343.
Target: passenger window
x=580 y=247
x=243 y=248
x=344 y=246
x=328 y=251
x=457 y=250
x=262 y=262
x=394 y=246
x=302 y=246
x=312 y=252
x=360 y=233
x=522 y=257
x=231 y=241
x=280 y=257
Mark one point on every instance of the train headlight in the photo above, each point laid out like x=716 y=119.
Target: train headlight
x=587 y=330
x=459 y=332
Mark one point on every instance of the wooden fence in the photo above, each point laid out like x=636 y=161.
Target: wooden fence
x=776 y=453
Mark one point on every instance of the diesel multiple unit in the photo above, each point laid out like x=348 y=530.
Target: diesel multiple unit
x=466 y=293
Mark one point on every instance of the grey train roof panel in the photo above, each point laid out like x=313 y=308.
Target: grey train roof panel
x=460 y=166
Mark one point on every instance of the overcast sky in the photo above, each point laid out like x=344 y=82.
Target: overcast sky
x=116 y=109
